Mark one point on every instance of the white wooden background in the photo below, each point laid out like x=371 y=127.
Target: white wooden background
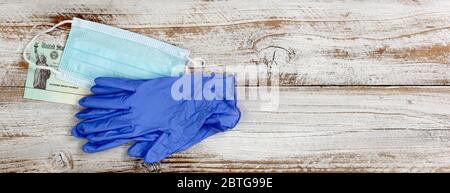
x=365 y=84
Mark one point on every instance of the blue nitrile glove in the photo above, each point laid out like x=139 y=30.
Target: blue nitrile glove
x=124 y=110
x=212 y=125
x=140 y=148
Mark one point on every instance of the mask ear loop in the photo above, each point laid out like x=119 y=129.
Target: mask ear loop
x=27 y=47
x=197 y=63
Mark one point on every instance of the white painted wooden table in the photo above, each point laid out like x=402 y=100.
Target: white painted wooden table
x=364 y=85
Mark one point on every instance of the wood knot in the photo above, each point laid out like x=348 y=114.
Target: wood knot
x=142 y=167
x=61 y=160
x=276 y=55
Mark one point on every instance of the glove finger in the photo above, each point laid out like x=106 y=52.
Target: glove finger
x=91 y=113
x=158 y=150
x=140 y=148
x=205 y=132
x=110 y=101
x=92 y=147
x=108 y=135
x=115 y=113
x=126 y=132
x=87 y=127
x=97 y=89
x=119 y=83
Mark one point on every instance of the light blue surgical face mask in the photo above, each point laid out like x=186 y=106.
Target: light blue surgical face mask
x=96 y=50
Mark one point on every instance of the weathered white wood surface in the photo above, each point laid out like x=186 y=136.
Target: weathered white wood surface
x=317 y=128
x=313 y=42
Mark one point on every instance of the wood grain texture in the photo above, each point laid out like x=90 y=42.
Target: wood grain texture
x=312 y=42
x=337 y=61
x=376 y=129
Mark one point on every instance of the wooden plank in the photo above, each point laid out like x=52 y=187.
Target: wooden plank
x=311 y=42
x=375 y=129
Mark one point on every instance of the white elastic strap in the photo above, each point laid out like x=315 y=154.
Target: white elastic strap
x=27 y=47
x=198 y=63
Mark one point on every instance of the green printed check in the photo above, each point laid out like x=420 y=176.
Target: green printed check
x=42 y=84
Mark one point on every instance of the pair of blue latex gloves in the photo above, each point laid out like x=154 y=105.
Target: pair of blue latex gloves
x=156 y=115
